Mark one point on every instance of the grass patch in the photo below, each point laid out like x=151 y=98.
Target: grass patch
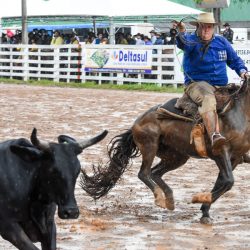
x=128 y=86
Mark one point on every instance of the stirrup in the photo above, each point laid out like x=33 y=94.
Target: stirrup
x=218 y=141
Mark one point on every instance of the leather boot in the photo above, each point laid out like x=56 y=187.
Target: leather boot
x=211 y=123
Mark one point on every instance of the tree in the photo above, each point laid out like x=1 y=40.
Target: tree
x=241 y=1
x=235 y=1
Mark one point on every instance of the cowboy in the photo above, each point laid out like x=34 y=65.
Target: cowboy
x=228 y=33
x=206 y=56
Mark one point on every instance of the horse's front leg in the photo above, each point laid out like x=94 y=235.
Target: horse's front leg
x=223 y=183
x=205 y=219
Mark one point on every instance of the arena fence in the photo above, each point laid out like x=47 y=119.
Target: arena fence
x=66 y=63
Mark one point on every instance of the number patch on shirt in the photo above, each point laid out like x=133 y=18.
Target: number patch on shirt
x=222 y=55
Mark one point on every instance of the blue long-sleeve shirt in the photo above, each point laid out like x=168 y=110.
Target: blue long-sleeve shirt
x=208 y=64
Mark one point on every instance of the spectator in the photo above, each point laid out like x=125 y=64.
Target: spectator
x=139 y=39
x=147 y=40
x=45 y=37
x=130 y=39
x=33 y=57
x=57 y=39
x=4 y=39
x=73 y=39
x=99 y=38
x=105 y=40
x=66 y=38
x=173 y=33
x=121 y=39
x=91 y=39
x=228 y=33
x=9 y=36
x=159 y=40
x=153 y=36
x=33 y=42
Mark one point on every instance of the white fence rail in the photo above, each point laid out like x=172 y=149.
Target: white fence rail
x=66 y=63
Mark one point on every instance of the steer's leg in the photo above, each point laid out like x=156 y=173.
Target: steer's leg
x=49 y=241
x=14 y=233
x=43 y=217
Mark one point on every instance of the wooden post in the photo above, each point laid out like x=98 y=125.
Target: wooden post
x=24 y=23
x=216 y=12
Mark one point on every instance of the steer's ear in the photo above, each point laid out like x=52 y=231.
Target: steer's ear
x=66 y=139
x=26 y=153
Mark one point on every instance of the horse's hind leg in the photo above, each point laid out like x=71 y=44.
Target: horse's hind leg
x=146 y=177
x=170 y=162
x=148 y=145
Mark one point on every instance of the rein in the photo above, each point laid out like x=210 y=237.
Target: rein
x=242 y=88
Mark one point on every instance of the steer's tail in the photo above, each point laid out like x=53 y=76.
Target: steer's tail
x=121 y=149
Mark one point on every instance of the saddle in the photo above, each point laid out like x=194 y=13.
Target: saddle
x=185 y=109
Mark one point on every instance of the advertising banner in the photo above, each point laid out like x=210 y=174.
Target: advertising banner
x=124 y=60
x=243 y=52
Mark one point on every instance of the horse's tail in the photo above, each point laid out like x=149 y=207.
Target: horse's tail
x=122 y=148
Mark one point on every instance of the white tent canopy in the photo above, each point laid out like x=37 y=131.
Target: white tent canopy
x=94 y=8
x=108 y=8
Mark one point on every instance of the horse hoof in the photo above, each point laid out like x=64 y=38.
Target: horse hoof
x=170 y=204
x=206 y=221
x=162 y=201
x=159 y=198
x=202 y=198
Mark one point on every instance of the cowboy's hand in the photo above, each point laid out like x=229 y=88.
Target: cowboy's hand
x=244 y=75
x=181 y=27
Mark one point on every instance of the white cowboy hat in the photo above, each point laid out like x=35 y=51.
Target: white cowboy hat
x=205 y=17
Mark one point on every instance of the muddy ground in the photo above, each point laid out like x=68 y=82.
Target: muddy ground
x=127 y=217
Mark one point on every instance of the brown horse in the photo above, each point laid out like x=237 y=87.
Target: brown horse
x=169 y=139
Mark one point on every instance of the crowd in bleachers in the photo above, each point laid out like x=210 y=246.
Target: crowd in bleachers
x=43 y=37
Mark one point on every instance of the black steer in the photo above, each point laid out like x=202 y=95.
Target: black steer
x=34 y=179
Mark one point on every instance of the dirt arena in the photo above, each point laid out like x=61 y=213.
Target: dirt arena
x=127 y=217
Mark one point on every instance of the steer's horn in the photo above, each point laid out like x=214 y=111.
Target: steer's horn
x=43 y=145
x=89 y=142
